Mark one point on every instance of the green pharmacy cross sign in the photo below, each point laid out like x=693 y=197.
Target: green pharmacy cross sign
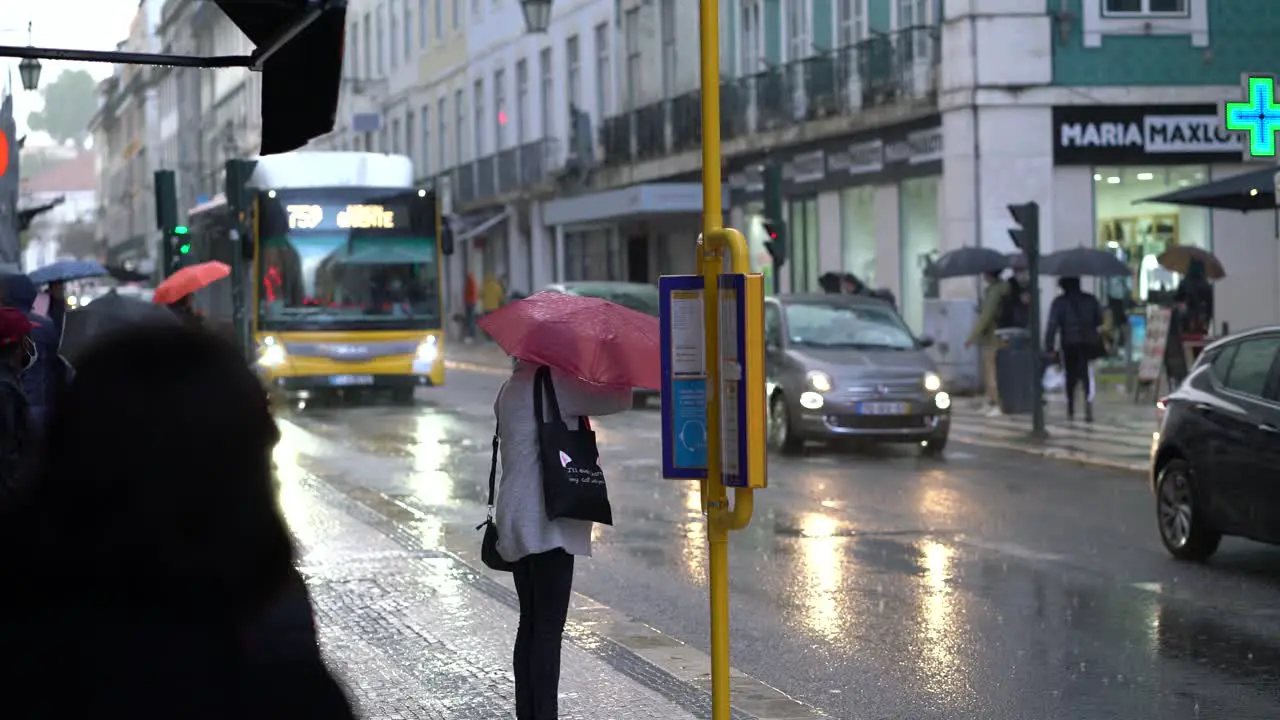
x=1259 y=116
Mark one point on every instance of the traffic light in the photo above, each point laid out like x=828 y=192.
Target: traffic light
x=166 y=200
x=1026 y=237
x=180 y=239
x=776 y=241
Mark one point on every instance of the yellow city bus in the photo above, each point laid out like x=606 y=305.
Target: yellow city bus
x=344 y=290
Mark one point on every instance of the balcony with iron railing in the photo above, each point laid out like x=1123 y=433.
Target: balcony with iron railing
x=896 y=68
x=507 y=173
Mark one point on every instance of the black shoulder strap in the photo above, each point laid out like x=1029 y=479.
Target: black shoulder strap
x=493 y=468
x=542 y=383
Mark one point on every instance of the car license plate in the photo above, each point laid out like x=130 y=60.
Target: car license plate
x=883 y=408
x=349 y=380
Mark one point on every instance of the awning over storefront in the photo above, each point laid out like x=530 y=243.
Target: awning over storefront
x=628 y=203
x=1249 y=191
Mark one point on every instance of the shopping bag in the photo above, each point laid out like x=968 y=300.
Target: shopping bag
x=573 y=484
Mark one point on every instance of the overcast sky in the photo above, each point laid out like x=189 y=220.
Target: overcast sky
x=80 y=24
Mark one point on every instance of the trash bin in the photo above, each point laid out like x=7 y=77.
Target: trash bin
x=1015 y=373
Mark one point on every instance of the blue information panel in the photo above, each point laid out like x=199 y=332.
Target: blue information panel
x=684 y=377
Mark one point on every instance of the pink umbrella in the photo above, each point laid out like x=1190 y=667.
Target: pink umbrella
x=590 y=338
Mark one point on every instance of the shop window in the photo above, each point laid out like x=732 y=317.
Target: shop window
x=802 y=226
x=1138 y=233
x=858 y=232
x=918 y=243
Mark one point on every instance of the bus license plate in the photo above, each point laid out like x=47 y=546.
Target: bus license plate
x=350 y=380
x=883 y=408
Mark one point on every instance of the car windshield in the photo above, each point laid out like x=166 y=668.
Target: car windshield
x=335 y=277
x=847 y=326
x=642 y=298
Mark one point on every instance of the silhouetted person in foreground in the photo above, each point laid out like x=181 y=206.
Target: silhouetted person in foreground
x=146 y=567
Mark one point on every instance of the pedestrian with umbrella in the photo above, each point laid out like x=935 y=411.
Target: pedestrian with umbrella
x=47 y=374
x=575 y=357
x=178 y=289
x=1076 y=317
x=17 y=354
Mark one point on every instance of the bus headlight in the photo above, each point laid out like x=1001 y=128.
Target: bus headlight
x=932 y=382
x=272 y=354
x=428 y=351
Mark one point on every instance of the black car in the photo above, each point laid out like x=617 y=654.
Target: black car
x=1216 y=459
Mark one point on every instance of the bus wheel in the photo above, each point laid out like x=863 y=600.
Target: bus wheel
x=402 y=396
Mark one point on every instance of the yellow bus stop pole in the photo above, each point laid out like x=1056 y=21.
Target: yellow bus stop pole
x=710 y=265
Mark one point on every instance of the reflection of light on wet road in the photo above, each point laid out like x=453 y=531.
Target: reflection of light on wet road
x=432 y=486
x=820 y=550
x=693 y=546
x=938 y=627
x=295 y=503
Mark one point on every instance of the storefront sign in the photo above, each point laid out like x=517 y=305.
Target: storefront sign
x=889 y=155
x=1141 y=134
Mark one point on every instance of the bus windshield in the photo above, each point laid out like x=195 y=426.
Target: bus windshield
x=323 y=276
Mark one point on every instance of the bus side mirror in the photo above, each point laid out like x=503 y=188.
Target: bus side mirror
x=446 y=237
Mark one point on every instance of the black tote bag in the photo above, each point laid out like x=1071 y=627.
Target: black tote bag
x=489 y=544
x=572 y=482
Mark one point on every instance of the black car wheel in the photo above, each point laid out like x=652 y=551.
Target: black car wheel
x=782 y=435
x=639 y=400
x=1183 y=528
x=402 y=396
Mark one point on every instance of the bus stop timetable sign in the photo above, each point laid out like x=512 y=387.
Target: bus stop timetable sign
x=684 y=377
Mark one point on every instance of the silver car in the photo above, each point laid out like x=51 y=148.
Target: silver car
x=642 y=297
x=847 y=367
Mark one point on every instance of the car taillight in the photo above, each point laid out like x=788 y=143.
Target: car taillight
x=1162 y=406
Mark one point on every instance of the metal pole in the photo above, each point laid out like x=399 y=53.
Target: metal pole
x=711 y=264
x=1037 y=349
x=125 y=58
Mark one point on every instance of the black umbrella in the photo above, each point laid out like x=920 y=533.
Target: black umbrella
x=1083 y=262
x=110 y=313
x=967 y=262
x=1250 y=191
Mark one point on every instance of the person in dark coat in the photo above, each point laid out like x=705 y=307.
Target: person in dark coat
x=16 y=353
x=1194 y=297
x=146 y=563
x=1076 y=317
x=42 y=379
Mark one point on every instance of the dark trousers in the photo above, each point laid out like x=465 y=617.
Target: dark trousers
x=1075 y=366
x=544 y=583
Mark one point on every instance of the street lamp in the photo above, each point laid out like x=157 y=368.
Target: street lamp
x=29 y=68
x=537 y=15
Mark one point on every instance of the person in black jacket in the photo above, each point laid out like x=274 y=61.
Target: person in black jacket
x=17 y=352
x=1076 y=317
x=146 y=563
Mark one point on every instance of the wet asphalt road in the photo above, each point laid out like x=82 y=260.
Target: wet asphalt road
x=880 y=584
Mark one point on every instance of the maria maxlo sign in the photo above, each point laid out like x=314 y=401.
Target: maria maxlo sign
x=1138 y=134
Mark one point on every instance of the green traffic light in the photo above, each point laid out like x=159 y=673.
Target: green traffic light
x=185 y=248
x=180 y=230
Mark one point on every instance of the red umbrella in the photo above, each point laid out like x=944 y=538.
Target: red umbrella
x=188 y=280
x=590 y=338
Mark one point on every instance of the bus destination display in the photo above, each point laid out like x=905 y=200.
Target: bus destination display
x=349 y=217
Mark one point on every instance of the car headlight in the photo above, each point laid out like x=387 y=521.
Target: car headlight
x=272 y=353
x=428 y=351
x=932 y=382
x=820 y=381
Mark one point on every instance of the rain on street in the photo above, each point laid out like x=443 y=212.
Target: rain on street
x=876 y=584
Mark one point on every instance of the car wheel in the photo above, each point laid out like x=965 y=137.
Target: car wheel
x=639 y=401
x=782 y=435
x=1183 y=528
x=935 y=446
x=402 y=396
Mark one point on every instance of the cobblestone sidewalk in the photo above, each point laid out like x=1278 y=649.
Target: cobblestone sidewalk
x=414 y=638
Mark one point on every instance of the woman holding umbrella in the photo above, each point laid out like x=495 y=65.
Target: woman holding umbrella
x=575 y=357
